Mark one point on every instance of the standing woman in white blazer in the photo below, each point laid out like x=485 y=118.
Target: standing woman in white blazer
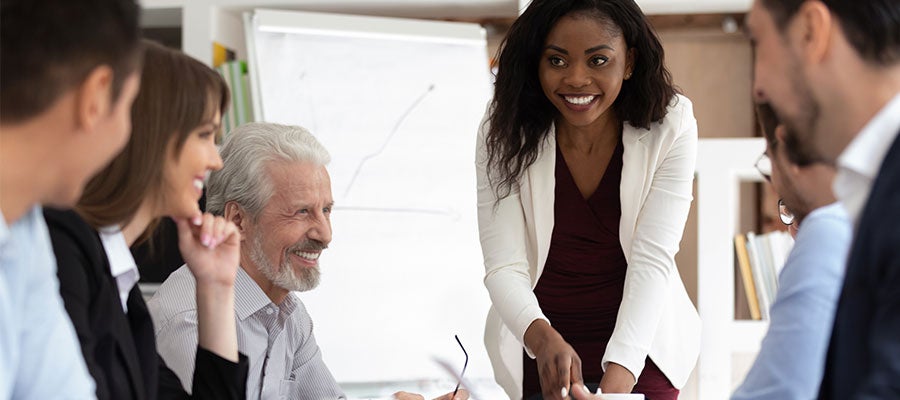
x=585 y=165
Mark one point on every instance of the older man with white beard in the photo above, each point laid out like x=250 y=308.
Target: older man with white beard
x=276 y=190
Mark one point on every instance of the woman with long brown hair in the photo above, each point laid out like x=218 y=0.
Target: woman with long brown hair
x=176 y=122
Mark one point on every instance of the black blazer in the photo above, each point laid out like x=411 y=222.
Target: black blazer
x=863 y=359
x=120 y=348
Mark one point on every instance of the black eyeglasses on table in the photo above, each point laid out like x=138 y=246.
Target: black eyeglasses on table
x=466 y=364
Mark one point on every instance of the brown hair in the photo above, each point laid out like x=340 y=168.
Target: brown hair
x=48 y=47
x=872 y=27
x=178 y=94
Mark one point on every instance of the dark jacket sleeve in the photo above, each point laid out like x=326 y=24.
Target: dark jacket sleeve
x=214 y=378
x=864 y=354
x=881 y=381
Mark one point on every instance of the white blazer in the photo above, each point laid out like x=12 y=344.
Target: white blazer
x=656 y=317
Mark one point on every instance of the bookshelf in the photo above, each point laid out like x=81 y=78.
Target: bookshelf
x=722 y=164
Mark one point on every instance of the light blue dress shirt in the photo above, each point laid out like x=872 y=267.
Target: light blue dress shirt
x=40 y=357
x=791 y=358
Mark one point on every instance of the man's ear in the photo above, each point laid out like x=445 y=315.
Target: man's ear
x=813 y=29
x=779 y=134
x=237 y=215
x=93 y=101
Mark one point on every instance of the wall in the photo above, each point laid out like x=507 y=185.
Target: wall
x=713 y=69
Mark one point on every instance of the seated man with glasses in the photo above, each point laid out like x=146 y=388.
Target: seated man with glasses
x=791 y=358
x=275 y=188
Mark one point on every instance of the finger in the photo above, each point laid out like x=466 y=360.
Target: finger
x=206 y=230
x=563 y=371
x=408 y=396
x=230 y=233
x=581 y=392
x=197 y=219
x=575 y=372
x=461 y=394
x=549 y=386
x=218 y=231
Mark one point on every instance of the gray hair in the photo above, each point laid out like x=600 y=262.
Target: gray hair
x=247 y=150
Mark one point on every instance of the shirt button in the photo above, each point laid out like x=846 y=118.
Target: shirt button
x=269 y=310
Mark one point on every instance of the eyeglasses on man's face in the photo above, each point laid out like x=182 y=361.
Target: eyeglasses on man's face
x=764 y=166
x=786 y=215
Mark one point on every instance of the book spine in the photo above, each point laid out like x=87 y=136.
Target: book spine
x=740 y=247
x=756 y=267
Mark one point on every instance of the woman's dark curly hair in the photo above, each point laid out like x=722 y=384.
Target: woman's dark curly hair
x=520 y=113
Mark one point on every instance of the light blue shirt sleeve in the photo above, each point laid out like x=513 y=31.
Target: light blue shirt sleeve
x=791 y=359
x=40 y=357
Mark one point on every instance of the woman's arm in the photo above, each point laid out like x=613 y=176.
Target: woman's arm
x=211 y=250
x=651 y=264
x=184 y=367
x=501 y=227
x=502 y=230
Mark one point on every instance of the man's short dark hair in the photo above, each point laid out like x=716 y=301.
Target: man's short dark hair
x=871 y=26
x=48 y=47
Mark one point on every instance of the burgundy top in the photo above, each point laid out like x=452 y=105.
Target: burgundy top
x=581 y=286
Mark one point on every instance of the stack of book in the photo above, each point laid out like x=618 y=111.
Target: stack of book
x=235 y=73
x=239 y=111
x=760 y=259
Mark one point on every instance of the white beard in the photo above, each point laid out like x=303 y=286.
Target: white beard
x=284 y=277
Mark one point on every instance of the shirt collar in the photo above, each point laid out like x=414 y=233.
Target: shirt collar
x=867 y=150
x=835 y=208
x=121 y=261
x=249 y=297
x=289 y=304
